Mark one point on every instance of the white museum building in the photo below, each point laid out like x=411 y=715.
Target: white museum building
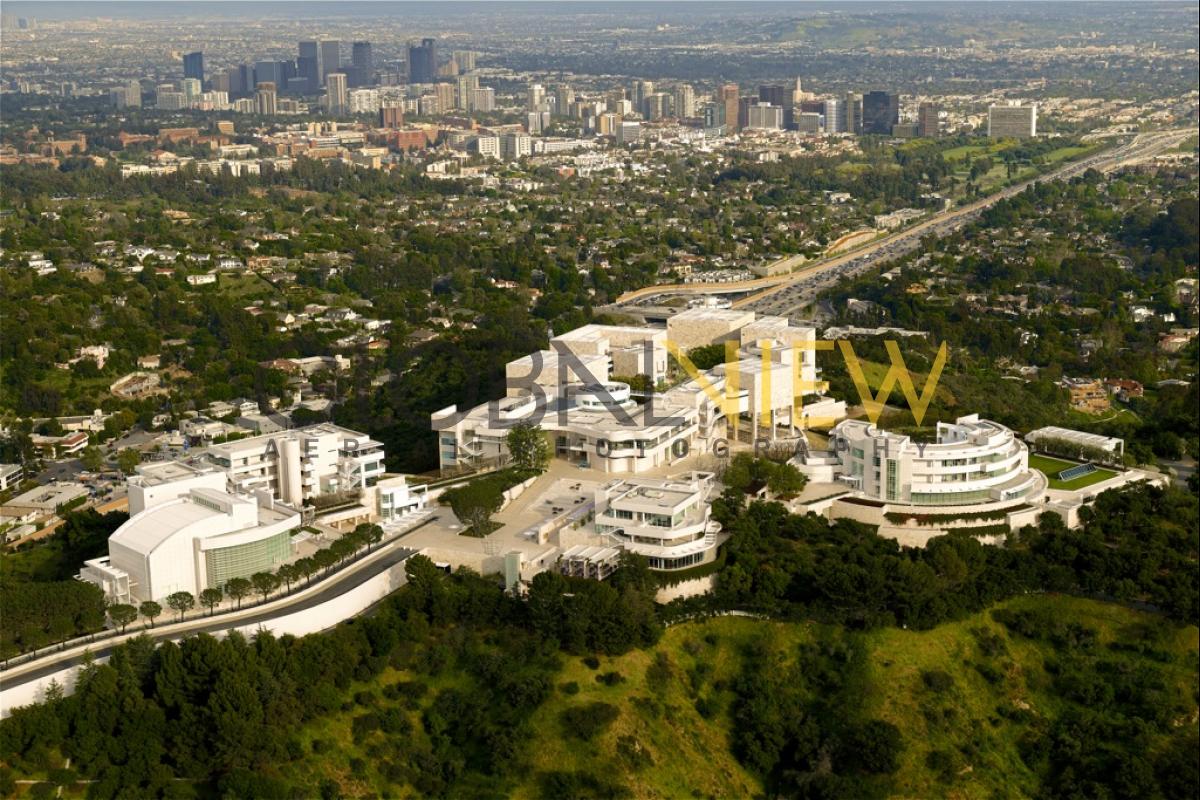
x=187 y=533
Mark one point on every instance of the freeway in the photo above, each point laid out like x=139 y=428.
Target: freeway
x=799 y=290
x=353 y=575
x=782 y=294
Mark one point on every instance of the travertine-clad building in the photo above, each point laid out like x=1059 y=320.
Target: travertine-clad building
x=666 y=520
x=597 y=421
x=187 y=533
x=698 y=327
x=630 y=350
x=972 y=461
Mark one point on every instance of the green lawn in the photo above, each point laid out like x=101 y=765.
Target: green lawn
x=1050 y=467
x=998 y=175
x=874 y=372
x=961 y=152
x=245 y=286
x=1064 y=153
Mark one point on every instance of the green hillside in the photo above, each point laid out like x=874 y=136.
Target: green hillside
x=980 y=708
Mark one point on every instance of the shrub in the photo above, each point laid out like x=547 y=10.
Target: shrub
x=393 y=720
x=610 y=678
x=989 y=673
x=295 y=749
x=244 y=783
x=936 y=680
x=363 y=725
x=658 y=674
x=990 y=644
x=588 y=721
x=943 y=763
x=579 y=785
x=873 y=747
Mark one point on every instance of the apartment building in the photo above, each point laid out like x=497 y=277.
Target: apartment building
x=1012 y=121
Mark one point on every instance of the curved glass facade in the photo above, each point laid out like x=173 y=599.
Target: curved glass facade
x=243 y=560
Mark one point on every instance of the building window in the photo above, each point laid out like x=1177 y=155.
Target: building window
x=949 y=498
x=243 y=560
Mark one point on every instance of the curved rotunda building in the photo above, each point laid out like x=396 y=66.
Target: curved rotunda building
x=973 y=461
x=974 y=477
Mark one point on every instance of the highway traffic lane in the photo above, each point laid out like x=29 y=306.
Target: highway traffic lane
x=958 y=217
x=941 y=224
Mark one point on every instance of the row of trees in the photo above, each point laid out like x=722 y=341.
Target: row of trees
x=264 y=584
x=227 y=714
x=49 y=606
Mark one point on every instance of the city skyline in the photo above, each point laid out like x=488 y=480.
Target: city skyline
x=599 y=400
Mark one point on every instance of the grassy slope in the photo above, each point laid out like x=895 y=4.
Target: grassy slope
x=692 y=755
x=245 y=286
x=874 y=372
x=689 y=752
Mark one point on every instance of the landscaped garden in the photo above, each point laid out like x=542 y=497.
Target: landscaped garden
x=1051 y=467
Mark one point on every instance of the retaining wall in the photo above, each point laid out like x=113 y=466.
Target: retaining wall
x=690 y=588
x=298 y=623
